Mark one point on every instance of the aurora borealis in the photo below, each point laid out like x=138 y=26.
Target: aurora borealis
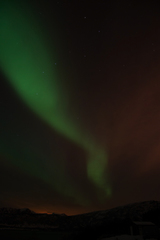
x=79 y=104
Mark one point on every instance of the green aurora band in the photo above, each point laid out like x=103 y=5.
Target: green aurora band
x=26 y=61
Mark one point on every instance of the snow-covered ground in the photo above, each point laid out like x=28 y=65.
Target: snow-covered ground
x=124 y=237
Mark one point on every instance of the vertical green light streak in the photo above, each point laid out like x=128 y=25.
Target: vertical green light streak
x=27 y=64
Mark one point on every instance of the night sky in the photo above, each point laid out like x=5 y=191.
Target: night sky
x=79 y=104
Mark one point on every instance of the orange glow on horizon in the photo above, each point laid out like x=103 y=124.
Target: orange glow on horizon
x=68 y=212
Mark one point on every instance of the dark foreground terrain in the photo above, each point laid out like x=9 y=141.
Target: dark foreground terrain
x=25 y=224
x=30 y=234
